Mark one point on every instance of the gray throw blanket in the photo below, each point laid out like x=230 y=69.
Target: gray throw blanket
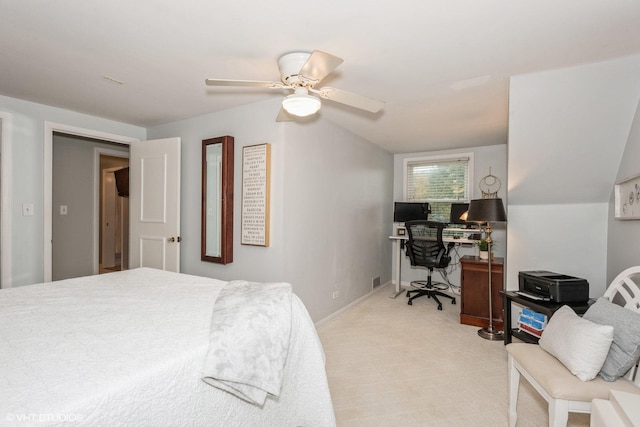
x=249 y=339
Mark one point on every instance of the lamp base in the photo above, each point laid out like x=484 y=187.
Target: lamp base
x=491 y=334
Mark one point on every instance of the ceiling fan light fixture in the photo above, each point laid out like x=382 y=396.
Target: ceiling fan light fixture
x=301 y=72
x=301 y=104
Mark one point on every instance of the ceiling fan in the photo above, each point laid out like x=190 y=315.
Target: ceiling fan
x=301 y=72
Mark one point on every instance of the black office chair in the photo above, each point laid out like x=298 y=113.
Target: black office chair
x=426 y=249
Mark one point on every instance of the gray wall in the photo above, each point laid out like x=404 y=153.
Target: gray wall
x=623 y=240
x=337 y=208
x=330 y=205
x=249 y=262
x=567 y=132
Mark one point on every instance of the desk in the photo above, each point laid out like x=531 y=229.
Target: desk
x=544 y=307
x=398 y=245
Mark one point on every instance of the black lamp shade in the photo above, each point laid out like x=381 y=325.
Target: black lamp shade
x=486 y=210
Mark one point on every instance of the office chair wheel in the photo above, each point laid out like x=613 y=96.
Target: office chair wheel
x=453 y=301
x=410 y=302
x=440 y=307
x=408 y=294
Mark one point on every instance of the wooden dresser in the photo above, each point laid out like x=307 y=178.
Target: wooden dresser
x=474 y=288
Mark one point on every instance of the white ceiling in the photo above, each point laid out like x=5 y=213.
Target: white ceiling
x=441 y=66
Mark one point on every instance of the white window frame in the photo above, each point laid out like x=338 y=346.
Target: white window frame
x=446 y=157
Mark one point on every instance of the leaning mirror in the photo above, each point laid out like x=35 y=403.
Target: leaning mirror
x=217 y=200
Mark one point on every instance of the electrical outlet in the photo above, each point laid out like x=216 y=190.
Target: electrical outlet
x=336 y=294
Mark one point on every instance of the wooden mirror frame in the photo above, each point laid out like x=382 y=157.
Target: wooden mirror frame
x=226 y=210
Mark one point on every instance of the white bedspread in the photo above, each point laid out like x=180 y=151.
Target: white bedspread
x=128 y=348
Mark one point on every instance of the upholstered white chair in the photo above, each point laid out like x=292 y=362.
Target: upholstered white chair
x=563 y=391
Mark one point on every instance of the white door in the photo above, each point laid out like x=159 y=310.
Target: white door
x=154 y=198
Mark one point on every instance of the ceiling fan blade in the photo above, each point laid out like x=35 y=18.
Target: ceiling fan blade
x=245 y=83
x=348 y=98
x=283 y=116
x=319 y=65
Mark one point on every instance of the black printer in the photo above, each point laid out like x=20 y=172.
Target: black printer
x=548 y=286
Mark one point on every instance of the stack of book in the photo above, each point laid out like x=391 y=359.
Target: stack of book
x=532 y=322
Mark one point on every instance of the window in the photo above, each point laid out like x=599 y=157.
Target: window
x=439 y=181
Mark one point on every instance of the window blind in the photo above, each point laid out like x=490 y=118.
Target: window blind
x=439 y=182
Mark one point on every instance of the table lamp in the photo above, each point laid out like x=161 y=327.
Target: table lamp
x=486 y=211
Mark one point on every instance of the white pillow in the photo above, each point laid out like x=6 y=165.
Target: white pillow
x=581 y=345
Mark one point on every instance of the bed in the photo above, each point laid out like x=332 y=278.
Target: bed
x=141 y=347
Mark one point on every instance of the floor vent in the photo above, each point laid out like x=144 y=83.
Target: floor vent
x=375 y=282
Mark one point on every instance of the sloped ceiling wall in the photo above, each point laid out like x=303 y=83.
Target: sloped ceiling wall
x=567 y=132
x=568 y=129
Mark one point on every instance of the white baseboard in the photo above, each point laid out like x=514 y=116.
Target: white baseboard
x=323 y=322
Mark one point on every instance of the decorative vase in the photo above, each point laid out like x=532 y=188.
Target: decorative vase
x=484 y=254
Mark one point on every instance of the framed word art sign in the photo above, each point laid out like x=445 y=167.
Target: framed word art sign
x=256 y=160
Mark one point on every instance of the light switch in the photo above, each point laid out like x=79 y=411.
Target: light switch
x=63 y=209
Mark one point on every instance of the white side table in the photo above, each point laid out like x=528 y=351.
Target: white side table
x=621 y=410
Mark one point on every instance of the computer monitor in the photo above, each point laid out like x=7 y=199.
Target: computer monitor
x=410 y=211
x=457 y=209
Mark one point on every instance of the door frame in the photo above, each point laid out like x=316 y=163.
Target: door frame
x=49 y=129
x=97 y=191
x=5 y=199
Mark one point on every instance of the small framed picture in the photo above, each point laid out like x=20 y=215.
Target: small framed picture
x=627 y=198
x=401 y=231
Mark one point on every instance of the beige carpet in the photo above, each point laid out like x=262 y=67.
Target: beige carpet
x=391 y=364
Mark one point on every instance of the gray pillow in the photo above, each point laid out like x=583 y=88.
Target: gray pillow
x=625 y=348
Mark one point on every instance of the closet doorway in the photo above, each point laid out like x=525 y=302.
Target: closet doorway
x=82 y=201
